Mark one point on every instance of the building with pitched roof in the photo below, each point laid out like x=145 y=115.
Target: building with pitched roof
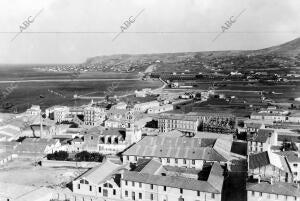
x=270 y=191
x=101 y=181
x=151 y=180
x=293 y=158
x=267 y=165
x=262 y=140
x=175 y=151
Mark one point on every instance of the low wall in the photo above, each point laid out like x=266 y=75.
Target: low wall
x=54 y=163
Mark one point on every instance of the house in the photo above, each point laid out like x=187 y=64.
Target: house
x=57 y=113
x=270 y=191
x=160 y=109
x=267 y=165
x=94 y=116
x=174 y=151
x=253 y=127
x=143 y=107
x=262 y=140
x=293 y=158
x=151 y=180
x=101 y=181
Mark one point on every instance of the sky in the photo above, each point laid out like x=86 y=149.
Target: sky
x=70 y=31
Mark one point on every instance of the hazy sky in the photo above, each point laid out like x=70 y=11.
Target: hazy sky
x=164 y=26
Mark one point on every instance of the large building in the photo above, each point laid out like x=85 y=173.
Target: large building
x=57 y=113
x=151 y=180
x=271 y=191
x=94 y=116
x=181 y=122
x=175 y=151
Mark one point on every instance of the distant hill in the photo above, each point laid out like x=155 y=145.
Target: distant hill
x=291 y=48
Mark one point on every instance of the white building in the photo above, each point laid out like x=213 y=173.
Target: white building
x=101 y=181
x=94 y=116
x=153 y=181
x=160 y=109
x=143 y=107
x=58 y=113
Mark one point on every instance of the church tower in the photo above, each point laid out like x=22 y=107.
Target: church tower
x=133 y=133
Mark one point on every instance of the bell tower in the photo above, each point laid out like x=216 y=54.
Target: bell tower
x=133 y=133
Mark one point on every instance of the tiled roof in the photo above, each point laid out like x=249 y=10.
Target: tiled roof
x=262 y=135
x=279 y=188
x=101 y=173
x=170 y=181
x=182 y=147
x=268 y=158
x=258 y=160
x=213 y=184
x=289 y=138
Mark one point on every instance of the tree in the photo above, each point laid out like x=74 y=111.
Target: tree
x=60 y=156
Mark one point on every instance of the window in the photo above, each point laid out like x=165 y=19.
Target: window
x=184 y=161
x=126 y=183
x=181 y=190
x=133 y=183
x=127 y=158
x=295 y=198
x=193 y=162
x=260 y=194
x=165 y=188
x=295 y=165
x=151 y=186
x=276 y=196
x=92 y=137
x=151 y=196
x=268 y=195
x=168 y=160
x=140 y=185
x=99 y=189
x=78 y=186
x=126 y=193
x=91 y=188
x=253 y=193
x=133 y=195
x=114 y=191
x=212 y=196
x=176 y=160
x=198 y=193
x=140 y=196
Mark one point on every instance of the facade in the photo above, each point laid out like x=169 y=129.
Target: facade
x=143 y=107
x=181 y=122
x=152 y=181
x=262 y=140
x=59 y=113
x=94 y=116
x=101 y=181
x=174 y=151
x=270 y=191
x=34 y=110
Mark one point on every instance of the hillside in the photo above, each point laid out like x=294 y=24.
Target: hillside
x=291 y=48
